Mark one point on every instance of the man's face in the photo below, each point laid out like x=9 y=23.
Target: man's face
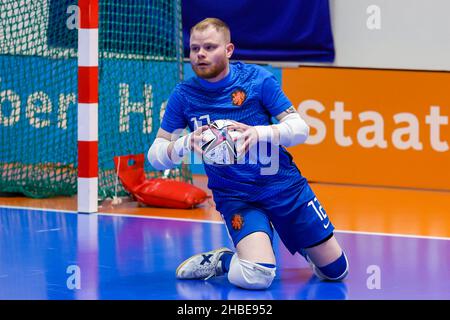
x=209 y=52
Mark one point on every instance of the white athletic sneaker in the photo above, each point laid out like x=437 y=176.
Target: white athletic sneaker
x=202 y=266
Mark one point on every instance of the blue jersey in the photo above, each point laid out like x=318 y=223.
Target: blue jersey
x=248 y=94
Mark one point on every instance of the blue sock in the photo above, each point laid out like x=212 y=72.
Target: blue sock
x=226 y=260
x=336 y=269
x=267 y=265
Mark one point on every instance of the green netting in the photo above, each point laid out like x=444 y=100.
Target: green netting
x=140 y=61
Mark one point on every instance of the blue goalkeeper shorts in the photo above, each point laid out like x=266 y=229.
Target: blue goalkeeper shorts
x=299 y=223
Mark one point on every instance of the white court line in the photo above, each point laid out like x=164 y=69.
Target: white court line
x=158 y=217
x=220 y=222
x=37 y=209
x=49 y=230
x=393 y=235
x=112 y=214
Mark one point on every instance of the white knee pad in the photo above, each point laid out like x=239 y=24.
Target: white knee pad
x=249 y=275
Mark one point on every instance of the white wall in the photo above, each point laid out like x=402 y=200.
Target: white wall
x=393 y=34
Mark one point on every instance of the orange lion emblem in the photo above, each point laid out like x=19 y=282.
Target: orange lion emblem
x=238 y=97
x=237 y=222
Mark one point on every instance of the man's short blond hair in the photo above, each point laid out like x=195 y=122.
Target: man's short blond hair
x=217 y=24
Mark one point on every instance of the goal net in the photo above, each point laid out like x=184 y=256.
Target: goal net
x=140 y=61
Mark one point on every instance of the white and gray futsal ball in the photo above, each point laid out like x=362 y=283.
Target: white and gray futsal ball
x=218 y=145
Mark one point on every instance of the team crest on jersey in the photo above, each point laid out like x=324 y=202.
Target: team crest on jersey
x=237 y=221
x=238 y=97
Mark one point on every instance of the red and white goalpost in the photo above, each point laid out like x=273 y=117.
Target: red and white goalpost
x=122 y=85
x=88 y=106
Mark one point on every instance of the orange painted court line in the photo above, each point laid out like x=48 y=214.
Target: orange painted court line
x=351 y=208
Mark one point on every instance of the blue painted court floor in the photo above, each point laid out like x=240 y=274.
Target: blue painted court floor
x=63 y=255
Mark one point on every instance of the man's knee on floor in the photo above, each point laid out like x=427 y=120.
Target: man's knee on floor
x=335 y=271
x=250 y=275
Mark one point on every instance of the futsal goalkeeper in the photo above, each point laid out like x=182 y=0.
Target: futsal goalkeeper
x=251 y=203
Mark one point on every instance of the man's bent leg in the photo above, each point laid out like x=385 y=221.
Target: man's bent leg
x=253 y=265
x=256 y=247
x=328 y=260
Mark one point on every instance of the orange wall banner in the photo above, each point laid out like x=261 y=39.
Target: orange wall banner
x=373 y=127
